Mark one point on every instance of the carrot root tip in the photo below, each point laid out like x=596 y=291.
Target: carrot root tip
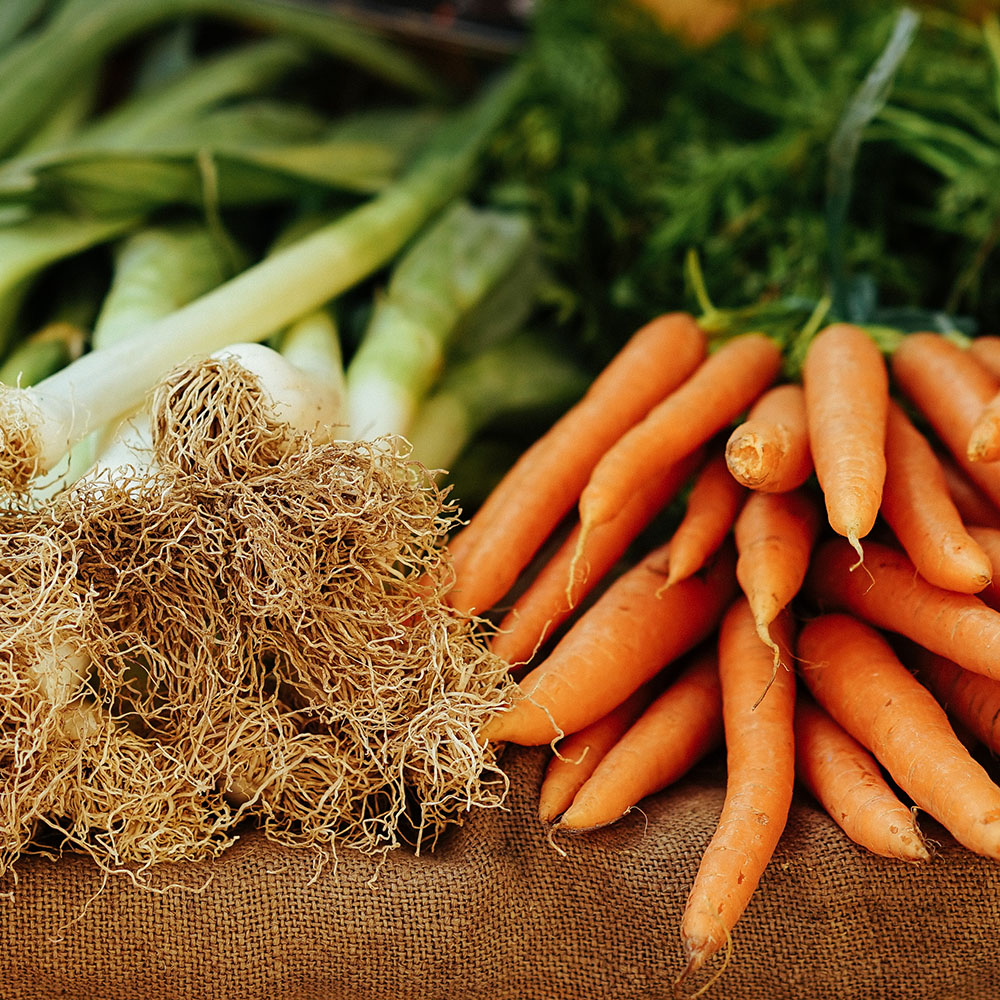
x=698 y=953
x=575 y=565
x=855 y=543
x=765 y=635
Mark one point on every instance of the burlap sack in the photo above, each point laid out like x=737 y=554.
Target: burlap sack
x=496 y=914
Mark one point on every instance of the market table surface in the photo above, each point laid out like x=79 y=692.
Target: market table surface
x=495 y=913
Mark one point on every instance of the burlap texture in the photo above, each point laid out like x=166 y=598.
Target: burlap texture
x=496 y=914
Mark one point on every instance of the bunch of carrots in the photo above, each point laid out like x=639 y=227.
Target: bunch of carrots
x=822 y=604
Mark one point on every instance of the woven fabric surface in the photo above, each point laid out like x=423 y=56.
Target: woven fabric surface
x=495 y=913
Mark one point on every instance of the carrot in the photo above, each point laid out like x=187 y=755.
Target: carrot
x=579 y=754
x=853 y=672
x=988 y=539
x=846 y=386
x=973 y=505
x=544 y=483
x=728 y=381
x=623 y=640
x=972 y=699
x=847 y=781
x=712 y=506
x=769 y=451
x=917 y=506
x=986 y=350
x=676 y=730
x=894 y=596
x=760 y=777
x=546 y=603
x=950 y=388
x=984 y=438
x=775 y=533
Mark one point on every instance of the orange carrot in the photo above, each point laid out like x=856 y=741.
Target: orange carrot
x=579 y=754
x=725 y=384
x=769 y=451
x=986 y=350
x=972 y=699
x=853 y=672
x=917 y=506
x=973 y=505
x=760 y=777
x=988 y=539
x=623 y=640
x=712 y=506
x=847 y=781
x=775 y=534
x=546 y=602
x=846 y=387
x=682 y=725
x=543 y=485
x=984 y=438
x=894 y=596
x=950 y=388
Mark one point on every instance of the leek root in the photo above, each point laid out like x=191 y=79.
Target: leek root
x=259 y=631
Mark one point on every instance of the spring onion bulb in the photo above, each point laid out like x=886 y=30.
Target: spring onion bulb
x=306 y=402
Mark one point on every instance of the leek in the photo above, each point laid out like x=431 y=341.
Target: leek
x=435 y=291
x=37 y=69
x=518 y=377
x=157 y=270
x=39 y=424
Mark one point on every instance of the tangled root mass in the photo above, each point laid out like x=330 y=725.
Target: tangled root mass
x=252 y=628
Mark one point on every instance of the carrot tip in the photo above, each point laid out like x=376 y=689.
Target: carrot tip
x=699 y=952
x=765 y=634
x=551 y=839
x=572 y=580
x=856 y=545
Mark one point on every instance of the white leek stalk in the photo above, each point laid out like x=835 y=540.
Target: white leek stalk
x=434 y=289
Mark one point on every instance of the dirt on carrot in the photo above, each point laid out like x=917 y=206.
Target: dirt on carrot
x=848 y=782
